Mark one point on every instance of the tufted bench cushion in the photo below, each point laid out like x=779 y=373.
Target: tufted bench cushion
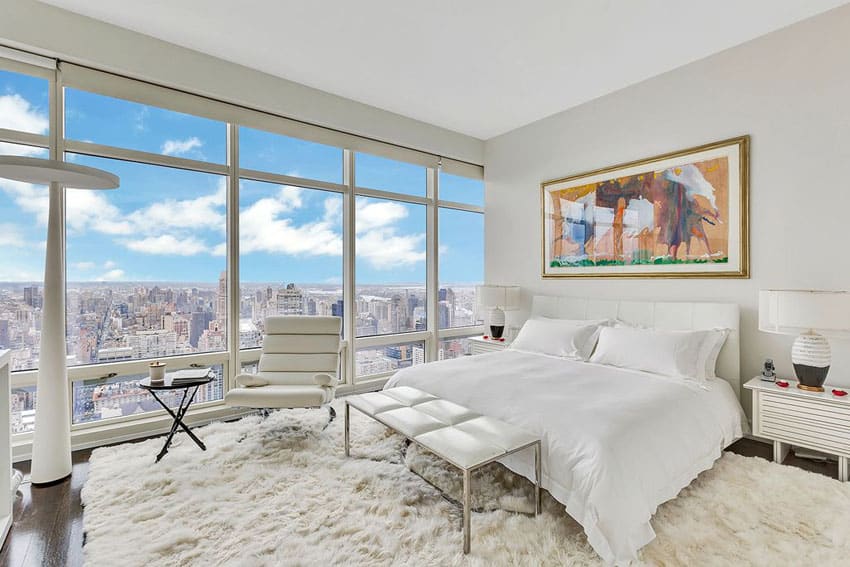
x=455 y=433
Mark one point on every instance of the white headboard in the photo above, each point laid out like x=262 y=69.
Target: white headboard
x=660 y=315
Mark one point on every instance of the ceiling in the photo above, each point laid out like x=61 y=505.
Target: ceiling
x=479 y=67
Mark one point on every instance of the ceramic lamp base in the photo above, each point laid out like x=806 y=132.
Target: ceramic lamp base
x=497 y=323
x=811 y=357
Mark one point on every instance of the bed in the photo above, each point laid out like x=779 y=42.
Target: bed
x=616 y=443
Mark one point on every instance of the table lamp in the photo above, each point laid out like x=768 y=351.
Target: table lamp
x=497 y=298
x=51 y=445
x=812 y=316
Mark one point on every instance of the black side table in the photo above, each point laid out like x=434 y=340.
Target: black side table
x=182 y=408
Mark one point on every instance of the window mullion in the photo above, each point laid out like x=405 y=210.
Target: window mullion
x=233 y=367
x=349 y=246
x=432 y=279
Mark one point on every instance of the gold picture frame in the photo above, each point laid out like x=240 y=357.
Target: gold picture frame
x=682 y=214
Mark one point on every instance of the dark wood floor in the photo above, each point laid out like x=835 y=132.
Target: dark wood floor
x=48 y=528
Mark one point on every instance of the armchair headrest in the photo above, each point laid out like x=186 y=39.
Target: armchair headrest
x=303 y=325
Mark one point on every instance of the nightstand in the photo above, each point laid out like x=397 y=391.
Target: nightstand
x=480 y=345
x=791 y=416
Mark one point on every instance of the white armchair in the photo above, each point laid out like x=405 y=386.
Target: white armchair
x=298 y=366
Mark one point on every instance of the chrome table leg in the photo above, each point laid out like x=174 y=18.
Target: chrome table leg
x=347 y=445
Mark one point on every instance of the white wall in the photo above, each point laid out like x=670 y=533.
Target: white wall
x=789 y=90
x=59 y=33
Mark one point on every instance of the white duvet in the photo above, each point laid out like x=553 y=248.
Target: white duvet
x=616 y=443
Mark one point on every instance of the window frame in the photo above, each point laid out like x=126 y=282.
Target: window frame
x=63 y=75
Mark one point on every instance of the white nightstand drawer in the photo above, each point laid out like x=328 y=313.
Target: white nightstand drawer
x=480 y=345
x=808 y=409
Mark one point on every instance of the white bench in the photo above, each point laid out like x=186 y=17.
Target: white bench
x=454 y=433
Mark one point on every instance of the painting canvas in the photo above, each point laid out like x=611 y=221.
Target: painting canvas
x=682 y=214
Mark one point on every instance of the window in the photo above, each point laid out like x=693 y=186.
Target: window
x=121 y=396
x=390 y=267
x=23 y=409
x=454 y=348
x=115 y=122
x=290 y=246
x=461 y=267
x=389 y=175
x=24 y=104
x=24 y=110
x=146 y=264
x=461 y=189
x=264 y=151
x=387 y=359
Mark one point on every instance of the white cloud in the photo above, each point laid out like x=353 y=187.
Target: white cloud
x=141 y=119
x=109 y=264
x=21 y=150
x=83 y=266
x=262 y=228
x=111 y=276
x=167 y=244
x=180 y=147
x=92 y=210
x=219 y=249
x=187 y=215
x=385 y=249
x=378 y=239
x=10 y=236
x=16 y=113
x=377 y=214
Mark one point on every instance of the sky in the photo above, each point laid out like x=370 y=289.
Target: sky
x=166 y=224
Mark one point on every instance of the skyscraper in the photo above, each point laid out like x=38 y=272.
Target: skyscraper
x=290 y=301
x=221 y=298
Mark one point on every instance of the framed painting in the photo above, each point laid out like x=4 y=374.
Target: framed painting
x=678 y=215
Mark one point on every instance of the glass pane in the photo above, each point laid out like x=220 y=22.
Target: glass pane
x=275 y=153
x=23 y=409
x=23 y=230
x=461 y=268
x=24 y=103
x=461 y=189
x=145 y=264
x=385 y=359
x=454 y=348
x=121 y=396
x=116 y=122
x=290 y=245
x=389 y=175
x=390 y=267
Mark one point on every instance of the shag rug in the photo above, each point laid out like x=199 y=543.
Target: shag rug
x=279 y=491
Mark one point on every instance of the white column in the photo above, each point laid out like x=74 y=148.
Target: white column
x=51 y=446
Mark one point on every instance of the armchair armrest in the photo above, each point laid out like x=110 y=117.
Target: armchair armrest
x=250 y=380
x=324 y=380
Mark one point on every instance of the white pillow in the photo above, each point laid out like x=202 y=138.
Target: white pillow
x=681 y=354
x=557 y=337
x=712 y=350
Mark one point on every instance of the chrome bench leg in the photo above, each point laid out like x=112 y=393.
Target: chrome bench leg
x=467 y=498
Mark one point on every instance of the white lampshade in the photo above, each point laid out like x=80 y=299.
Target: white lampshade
x=503 y=296
x=795 y=311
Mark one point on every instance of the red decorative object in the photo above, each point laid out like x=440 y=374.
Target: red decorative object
x=782 y=384
x=501 y=340
x=486 y=337
x=839 y=393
